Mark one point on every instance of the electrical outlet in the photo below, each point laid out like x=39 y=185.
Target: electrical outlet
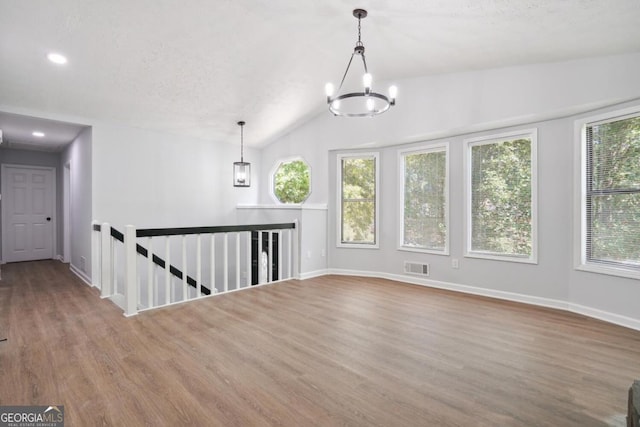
x=323 y=253
x=455 y=263
x=309 y=254
x=83 y=264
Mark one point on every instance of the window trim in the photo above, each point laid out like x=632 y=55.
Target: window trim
x=580 y=194
x=427 y=148
x=272 y=179
x=356 y=155
x=531 y=134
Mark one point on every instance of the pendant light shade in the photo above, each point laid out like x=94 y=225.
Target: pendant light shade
x=241 y=169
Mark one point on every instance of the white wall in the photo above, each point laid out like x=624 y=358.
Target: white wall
x=450 y=108
x=151 y=179
x=78 y=156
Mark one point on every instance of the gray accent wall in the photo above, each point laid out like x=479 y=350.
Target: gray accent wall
x=11 y=156
x=452 y=107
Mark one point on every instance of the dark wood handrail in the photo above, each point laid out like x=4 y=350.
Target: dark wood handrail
x=155 y=232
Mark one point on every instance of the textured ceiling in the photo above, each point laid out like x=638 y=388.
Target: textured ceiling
x=197 y=67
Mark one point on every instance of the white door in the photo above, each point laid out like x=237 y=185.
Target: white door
x=28 y=196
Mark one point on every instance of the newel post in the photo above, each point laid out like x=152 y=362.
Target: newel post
x=296 y=249
x=130 y=271
x=106 y=283
x=96 y=245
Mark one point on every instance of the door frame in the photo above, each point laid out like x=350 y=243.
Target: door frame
x=54 y=198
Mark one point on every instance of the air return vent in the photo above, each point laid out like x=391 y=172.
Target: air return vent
x=416 y=268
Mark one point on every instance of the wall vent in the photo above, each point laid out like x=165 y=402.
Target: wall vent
x=416 y=268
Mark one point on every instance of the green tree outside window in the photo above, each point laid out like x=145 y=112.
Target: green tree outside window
x=292 y=182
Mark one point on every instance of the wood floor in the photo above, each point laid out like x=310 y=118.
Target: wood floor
x=327 y=351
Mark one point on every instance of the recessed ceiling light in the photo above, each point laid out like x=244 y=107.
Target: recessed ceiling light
x=56 y=58
x=38 y=134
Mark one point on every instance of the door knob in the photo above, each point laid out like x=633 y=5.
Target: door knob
x=48 y=218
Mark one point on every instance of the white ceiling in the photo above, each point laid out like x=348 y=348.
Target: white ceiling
x=197 y=67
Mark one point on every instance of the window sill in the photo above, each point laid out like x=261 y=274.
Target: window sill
x=357 y=246
x=423 y=251
x=520 y=260
x=609 y=270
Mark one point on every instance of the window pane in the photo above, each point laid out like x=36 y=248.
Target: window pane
x=616 y=155
x=291 y=182
x=613 y=193
x=425 y=200
x=358 y=200
x=501 y=197
x=615 y=228
x=359 y=222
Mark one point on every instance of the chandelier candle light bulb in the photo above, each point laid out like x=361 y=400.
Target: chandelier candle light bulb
x=367 y=103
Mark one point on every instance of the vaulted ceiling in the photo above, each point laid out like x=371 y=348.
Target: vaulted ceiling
x=197 y=67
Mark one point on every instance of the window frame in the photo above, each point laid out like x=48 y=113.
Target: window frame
x=424 y=149
x=357 y=155
x=469 y=143
x=581 y=263
x=272 y=179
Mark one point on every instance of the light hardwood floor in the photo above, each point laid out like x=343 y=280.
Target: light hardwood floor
x=327 y=351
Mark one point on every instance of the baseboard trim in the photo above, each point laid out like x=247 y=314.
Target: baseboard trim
x=312 y=274
x=75 y=270
x=617 y=319
x=606 y=316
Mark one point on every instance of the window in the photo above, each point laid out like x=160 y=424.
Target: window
x=424 y=194
x=501 y=197
x=358 y=200
x=611 y=193
x=291 y=181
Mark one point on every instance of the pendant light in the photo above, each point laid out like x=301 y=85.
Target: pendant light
x=359 y=104
x=241 y=169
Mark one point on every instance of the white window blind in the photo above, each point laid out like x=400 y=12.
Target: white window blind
x=612 y=203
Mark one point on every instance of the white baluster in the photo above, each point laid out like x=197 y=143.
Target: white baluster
x=280 y=255
x=248 y=260
x=167 y=273
x=238 y=260
x=185 y=295
x=114 y=264
x=226 y=262
x=131 y=275
x=150 y=272
x=289 y=250
x=199 y=266
x=106 y=252
x=213 y=264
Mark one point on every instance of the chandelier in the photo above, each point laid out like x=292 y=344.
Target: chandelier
x=241 y=169
x=359 y=104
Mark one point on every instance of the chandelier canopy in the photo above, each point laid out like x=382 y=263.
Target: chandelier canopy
x=359 y=104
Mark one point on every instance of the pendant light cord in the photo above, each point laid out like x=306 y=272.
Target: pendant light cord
x=242 y=143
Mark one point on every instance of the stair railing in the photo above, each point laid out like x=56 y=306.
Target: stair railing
x=135 y=269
